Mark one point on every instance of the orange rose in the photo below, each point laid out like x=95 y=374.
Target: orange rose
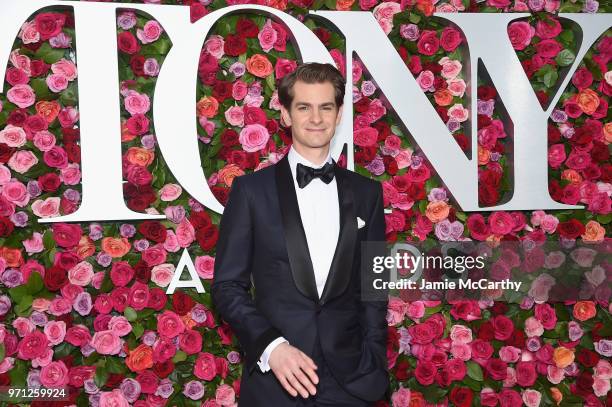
x=344 y=5
x=563 y=357
x=208 y=107
x=594 y=232
x=228 y=173
x=125 y=133
x=189 y=323
x=584 y=310
x=572 y=176
x=443 y=97
x=608 y=132
x=277 y=4
x=484 y=156
x=556 y=395
x=140 y=358
x=13 y=257
x=140 y=156
x=116 y=246
x=48 y=110
x=416 y=399
x=426 y=7
x=259 y=65
x=588 y=101
x=437 y=211
x=85 y=248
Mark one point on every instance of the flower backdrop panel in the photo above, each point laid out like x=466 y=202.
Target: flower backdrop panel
x=84 y=306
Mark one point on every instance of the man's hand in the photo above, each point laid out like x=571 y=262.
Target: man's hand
x=294 y=370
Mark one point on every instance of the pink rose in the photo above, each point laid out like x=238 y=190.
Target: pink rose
x=533 y=327
x=68 y=116
x=532 y=398
x=137 y=103
x=16 y=193
x=205 y=266
x=55 y=331
x=150 y=32
x=169 y=324
x=225 y=395
x=601 y=387
x=55 y=374
x=81 y=274
x=239 y=90
x=509 y=354
x=458 y=112
x=415 y=310
x=488 y=397
x=401 y=398
x=66 y=68
x=34 y=244
x=171 y=243
x=456 y=87
x=60 y=306
x=426 y=80
x=28 y=33
x=162 y=274
x=556 y=155
x=450 y=67
x=384 y=13
x=106 y=342
x=13 y=136
x=119 y=325
x=461 y=351
x=520 y=33
x=170 y=192
x=191 y=341
x=185 y=233
x=267 y=36
x=461 y=334
x=71 y=174
x=253 y=137
x=154 y=255
x=21 y=95
x=44 y=140
x=23 y=326
x=215 y=46
x=396 y=311
x=57 y=82
x=56 y=157
x=235 y=116
x=48 y=208
x=113 y=398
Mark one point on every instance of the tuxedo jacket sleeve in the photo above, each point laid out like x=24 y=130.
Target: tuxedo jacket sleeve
x=232 y=278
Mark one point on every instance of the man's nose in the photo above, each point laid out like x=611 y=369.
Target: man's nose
x=315 y=117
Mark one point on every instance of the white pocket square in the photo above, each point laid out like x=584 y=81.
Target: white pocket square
x=360 y=223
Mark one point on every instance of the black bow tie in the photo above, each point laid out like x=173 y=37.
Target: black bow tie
x=306 y=174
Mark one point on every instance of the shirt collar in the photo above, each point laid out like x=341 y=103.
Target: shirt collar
x=295 y=158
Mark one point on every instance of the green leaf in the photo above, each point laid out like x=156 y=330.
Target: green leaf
x=179 y=356
x=35 y=283
x=40 y=88
x=2 y=351
x=474 y=371
x=48 y=241
x=101 y=376
x=48 y=54
x=414 y=18
x=137 y=330
x=115 y=365
x=550 y=78
x=565 y=57
x=130 y=314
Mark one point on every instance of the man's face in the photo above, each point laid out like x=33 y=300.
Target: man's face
x=314 y=114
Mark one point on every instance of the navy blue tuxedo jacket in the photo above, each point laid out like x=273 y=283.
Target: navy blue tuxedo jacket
x=262 y=243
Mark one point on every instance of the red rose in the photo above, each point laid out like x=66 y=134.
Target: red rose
x=246 y=28
x=5 y=153
x=486 y=92
x=222 y=366
x=78 y=335
x=428 y=44
x=488 y=195
x=55 y=278
x=235 y=45
x=197 y=11
x=139 y=295
x=38 y=68
x=222 y=90
x=73 y=151
x=582 y=79
x=497 y=369
x=422 y=333
x=478 y=227
x=17 y=117
x=153 y=230
x=49 y=182
x=284 y=67
x=182 y=303
x=548 y=48
x=128 y=43
x=121 y=273
x=481 y=349
x=548 y=27
x=6 y=226
x=16 y=76
x=148 y=381
x=34 y=124
x=526 y=374
x=229 y=138
x=323 y=35
x=190 y=341
x=455 y=368
x=546 y=315
x=503 y=327
x=66 y=235
x=571 y=229
x=157 y=299
x=49 y=24
x=425 y=372
x=205 y=367
x=401 y=370
x=509 y=398
x=78 y=374
x=163 y=369
x=33 y=345
x=207 y=237
x=138 y=124
x=461 y=396
x=415 y=64
x=281 y=37
x=450 y=39
x=142 y=272
x=584 y=384
x=587 y=358
x=254 y=115
x=103 y=303
x=120 y=298
x=137 y=64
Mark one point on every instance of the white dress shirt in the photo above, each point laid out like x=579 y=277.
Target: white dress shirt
x=320 y=213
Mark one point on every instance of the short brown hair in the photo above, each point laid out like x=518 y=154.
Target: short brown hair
x=312 y=72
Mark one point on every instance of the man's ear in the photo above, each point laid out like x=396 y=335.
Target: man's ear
x=339 y=117
x=285 y=117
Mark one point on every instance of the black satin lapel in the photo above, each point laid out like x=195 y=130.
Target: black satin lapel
x=295 y=237
x=342 y=263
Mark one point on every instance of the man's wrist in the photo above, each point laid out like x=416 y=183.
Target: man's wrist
x=265 y=356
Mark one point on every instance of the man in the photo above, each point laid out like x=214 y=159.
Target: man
x=295 y=229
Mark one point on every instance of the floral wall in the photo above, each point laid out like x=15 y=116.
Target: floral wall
x=83 y=306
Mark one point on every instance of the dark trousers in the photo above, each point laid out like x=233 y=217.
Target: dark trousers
x=329 y=392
